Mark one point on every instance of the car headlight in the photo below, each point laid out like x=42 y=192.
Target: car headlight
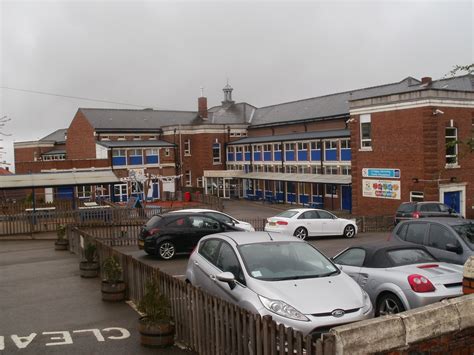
x=283 y=309
x=367 y=303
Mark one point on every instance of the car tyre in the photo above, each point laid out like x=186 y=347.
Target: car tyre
x=301 y=233
x=166 y=250
x=349 y=231
x=389 y=304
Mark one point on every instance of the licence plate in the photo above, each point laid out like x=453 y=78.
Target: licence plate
x=272 y=223
x=141 y=243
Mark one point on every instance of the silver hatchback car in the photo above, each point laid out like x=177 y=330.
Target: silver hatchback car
x=278 y=275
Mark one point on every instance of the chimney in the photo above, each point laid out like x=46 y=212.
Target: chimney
x=426 y=81
x=227 y=95
x=202 y=107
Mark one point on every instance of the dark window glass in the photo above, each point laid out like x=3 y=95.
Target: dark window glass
x=220 y=217
x=203 y=222
x=430 y=207
x=309 y=215
x=209 y=250
x=227 y=262
x=352 y=257
x=466 y=232
x=181 y=222
x=365 y=130
x=402 y=231
x=406 y=208
x=325 y=215
x=409 y=256
x=416 y=232
x=153 y=221
x=439 y=236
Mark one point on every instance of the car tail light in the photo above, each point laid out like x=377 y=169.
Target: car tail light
x=427 y=266
x=420 y=283
x=282 y=223
x=153 y=231
x=415 y=215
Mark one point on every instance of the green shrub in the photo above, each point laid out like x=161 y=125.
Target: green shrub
x=154 y=304
x=112 y=269
x=90 y=252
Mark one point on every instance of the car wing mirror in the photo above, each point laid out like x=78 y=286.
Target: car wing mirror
x=454 y=248
x=227 y=277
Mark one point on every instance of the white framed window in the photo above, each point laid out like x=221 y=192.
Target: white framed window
x=331 y=190
x=365 y=131
x=216 y=153
x=199 y=182
x=303 y=169
x=153 y=138
x=316 y=169
x=238 y=149
x=291 y=169
x=137 y=138
x=346 y=170
x=451 y=145
x=331 y=170
x=135 y=153
x=277 y=147
x=332 y=144
x=167 y=152
x=84 y=191
x=118 y=153
x=315 y=145
x=302 y=146
x=289 y=147
x=257 y=148
x=152 y=151
x=121 y=138
x=267 y=147
x=345 y=144
x=105 y=138
x=187 y=147
x=188 y=178
x=417 y=196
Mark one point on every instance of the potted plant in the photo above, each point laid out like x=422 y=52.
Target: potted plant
x=62 y=242
x=155 y=326
x=113 y=289
x=89 y=267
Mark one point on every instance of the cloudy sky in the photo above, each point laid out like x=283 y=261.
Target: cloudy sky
x=159 y=53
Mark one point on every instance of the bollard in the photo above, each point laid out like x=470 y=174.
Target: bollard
x=468 y=276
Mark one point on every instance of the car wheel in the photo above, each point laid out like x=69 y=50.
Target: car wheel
x=349 y=231
x=301 y=233
x=166 y=250
x=388 y=304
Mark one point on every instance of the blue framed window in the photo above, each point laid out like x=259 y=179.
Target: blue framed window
x=230 y=154
x=316 y=151
x=135 y=157
x=247 y=153
x=267 y=152
x=151 y=156
x=257 y=152
x=345 y=149
x=330 y=151
x=238 y=153
x=289 y=151
x=216 y=153
x=277 y=152
x=119 y=157
x=302 y=151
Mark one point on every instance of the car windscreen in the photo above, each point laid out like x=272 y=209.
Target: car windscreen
x=406 y=208
x=287 y=214
x=402 y=257
x=276 y=261
x=466 y=232
x=153 y=222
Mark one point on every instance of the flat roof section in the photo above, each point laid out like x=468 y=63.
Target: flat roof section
x=58 y=179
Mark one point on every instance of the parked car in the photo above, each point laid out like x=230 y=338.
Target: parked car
x=448 y=239
x=309 y=222
x=399 y=277
x=168 y=234
x=415 y=210
x=278 y=275
x=223 y=217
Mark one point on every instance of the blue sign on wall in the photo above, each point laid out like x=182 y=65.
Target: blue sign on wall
x=381 y=173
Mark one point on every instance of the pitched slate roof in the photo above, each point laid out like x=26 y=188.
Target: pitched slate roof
x=236 y=113
x=338 y=104
x=135 y=120
x=294 y=137
x=58 y=136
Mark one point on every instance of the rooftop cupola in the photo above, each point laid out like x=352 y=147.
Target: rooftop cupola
x=227 y=95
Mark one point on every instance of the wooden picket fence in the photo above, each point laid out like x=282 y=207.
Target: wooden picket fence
x=204 y=323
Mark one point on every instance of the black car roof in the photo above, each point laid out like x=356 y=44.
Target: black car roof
x=376 y=253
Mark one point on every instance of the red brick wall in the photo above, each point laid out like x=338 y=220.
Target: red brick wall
x=28 y=154
x=36 y=167
x=80 y=142
x=412 y=140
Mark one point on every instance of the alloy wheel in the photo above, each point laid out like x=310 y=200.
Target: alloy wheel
x=301 y=233
x=166 y=250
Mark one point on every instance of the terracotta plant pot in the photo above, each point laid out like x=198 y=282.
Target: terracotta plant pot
x=156 y=335
x=113 y=291
x=61 y=244
x=89 y=269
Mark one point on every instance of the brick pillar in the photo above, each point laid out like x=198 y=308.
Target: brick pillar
x=468 y=279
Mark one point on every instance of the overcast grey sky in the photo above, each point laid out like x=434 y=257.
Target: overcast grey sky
x=158 y=53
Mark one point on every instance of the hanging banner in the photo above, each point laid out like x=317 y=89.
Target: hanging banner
x=381 y=173
x=381 y=188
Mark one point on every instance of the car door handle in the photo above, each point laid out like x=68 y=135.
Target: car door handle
x=213 y=277
x=196 y=263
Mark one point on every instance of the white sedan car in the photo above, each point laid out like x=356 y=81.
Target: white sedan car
x=222 y=217
x=309 y=222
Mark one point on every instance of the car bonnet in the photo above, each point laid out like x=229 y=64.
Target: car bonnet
x=313 y=295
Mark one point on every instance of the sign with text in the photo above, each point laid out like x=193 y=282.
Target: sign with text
x=381 y=188
x=381 y=173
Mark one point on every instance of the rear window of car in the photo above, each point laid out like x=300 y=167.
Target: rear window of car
x=416 y=232
x=287 y=214
x=153 y=221
x=466 y=232
x=406 y=207
x=409 y=256
x=430 y=207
